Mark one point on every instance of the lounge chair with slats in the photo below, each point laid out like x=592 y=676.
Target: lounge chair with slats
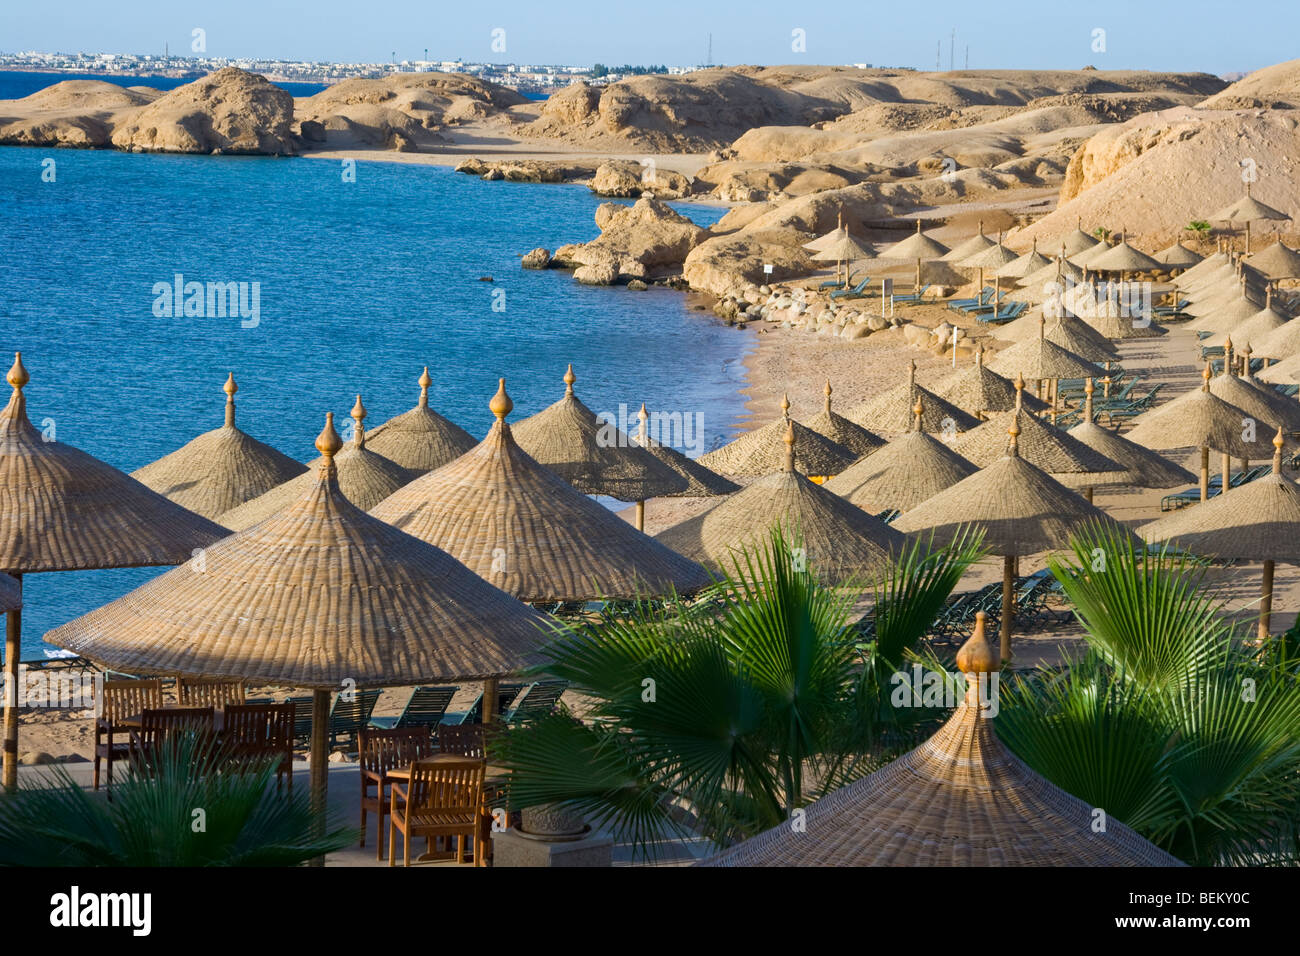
x=424 y=708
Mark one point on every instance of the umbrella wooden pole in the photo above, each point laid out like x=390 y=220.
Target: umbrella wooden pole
x=1087 y=494
x=13 y=654
x=1227 y=472
x=1205 y=473
x=1266 y=601
x=1008 y=605
x=320 y=721
x=640 y=516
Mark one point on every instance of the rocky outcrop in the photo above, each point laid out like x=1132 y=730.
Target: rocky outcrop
x=75 y=113
x=1273 y=87
x=528 y=170
x=644 y=240
x=231 y=111
x=628 y=180
x=539 y=258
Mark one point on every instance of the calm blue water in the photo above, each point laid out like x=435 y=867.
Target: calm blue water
x=15 y=85
x=361 y=285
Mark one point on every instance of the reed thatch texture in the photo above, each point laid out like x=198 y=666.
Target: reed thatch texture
x=420 y=440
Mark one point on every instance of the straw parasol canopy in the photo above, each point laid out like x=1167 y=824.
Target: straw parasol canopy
x=1177 y=256
x=990 y=260
x=1222 y=314
x=1286 y=372
x=1030 y=262
x=762 y=451
x=321 y=595
x=959 y=799
x=420 y=440
x=917 y=246
x=1251 y=333
x=1282 y=342
x=219 y=469
x=1037 y=358
x=844 y=249
x=519 y=526
x=1248 y=209
x=64 y=510
x=1123 y=257
x=1021 y=508
x=978 y=389
x=1112 y=325
x=907 y=471
x=1277 y=262
x=1143 y=468
x=364 y=478
x=596 y=458
x=1058 y=271
x=837 y=428
x=1256 y=521
x=1265 y=405
x=972 y=246
x=836 y=234
x=891 y=411
x=1209 y=265
x=1074 y=330
x=1084 y=257
x=843 y=542
x=700 y=482
x=1078 y=241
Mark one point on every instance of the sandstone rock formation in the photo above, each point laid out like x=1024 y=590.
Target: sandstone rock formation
x=629 y=180
x=74 y=113
x=646 y=239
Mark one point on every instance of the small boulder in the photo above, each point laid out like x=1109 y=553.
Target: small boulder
x=493 y=175
x=636 y=285
x=539 y=258
x=602 y=273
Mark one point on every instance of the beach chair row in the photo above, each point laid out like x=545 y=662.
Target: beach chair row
x=1189 y=496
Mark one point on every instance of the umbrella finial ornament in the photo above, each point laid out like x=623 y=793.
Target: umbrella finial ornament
x=569 y=379
x=979 y=355
x=1278 y=442
x=230 y=388
x=1087 y=405
x=789 y=445
x=18 y=376
x=911 y=374
x=1013 y=447
x=1205 y=377
x=1020 y=390
x=425 y=382
x=643 y=417
x=501 y=405
x=976 y=660
x=328 y=444
x=358 y=414
x=785 y=405
x=828 y=396
x=916 y=414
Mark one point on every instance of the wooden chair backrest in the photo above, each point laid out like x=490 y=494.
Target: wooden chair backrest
x=126 y=698
x=446 y=785
x=397 y=748
x=159 y=726
x=206 y=692
x=465 y=740
x=259 y=726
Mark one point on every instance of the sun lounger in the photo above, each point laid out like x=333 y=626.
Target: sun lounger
x=856 y=292
x=912 y=298
x=424 y=708
x=1009 y=312
x=959 y=305
x=835 y=283
x=537 y=700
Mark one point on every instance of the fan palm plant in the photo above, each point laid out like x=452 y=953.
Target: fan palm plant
x=734 y=709
x=1168 y=724
x=171 y=816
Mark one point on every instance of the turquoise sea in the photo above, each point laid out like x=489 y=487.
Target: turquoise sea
x=360 y=284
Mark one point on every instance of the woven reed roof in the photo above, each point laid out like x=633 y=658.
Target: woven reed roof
x=316 y=595
x=1044 y=446
x=1084 y=257
x=907 y=471
x=64 y=510
x=1054 y=271
x=1248 y=209
x=916 y=246
x=11 y=594
x=1212 y=263
x=1031 y=262
x=700 y=482
x=1037 y=358
x=1256 y=329
x=219 y=469
x=1077 y=241
x=830 y=424
x=842 y=541
x=1021 y=508
x=993 y=258
x=1285 y=372
x=960 y=799
x=1112 y=325
x=1177 y=256
x=518 y=525
x=1266 y=405
x=821 y=242
x=1194 y=419
x=977 y=388
x=1277 y=262
x=596 y=458
x=1256 y=521
x=891 y=410
x=1143 y=468
x=364 y=478
x=1220 y=273
x=972 y=246
x=762 y=451
x=1123 y=257
x=1283 y=342
x=843 y=248
x=1028 y=326
x=1224 y=314
x=420 y=440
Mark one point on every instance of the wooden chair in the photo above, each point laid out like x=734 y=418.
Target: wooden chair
x=163 y=729
x=382 y=751
x=444 y=798
x=424 y=708
x=257 y=734
x=206 y=692
x=120 y=699
x=463 y=740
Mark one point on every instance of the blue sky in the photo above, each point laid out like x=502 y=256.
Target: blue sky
x=1149 y=34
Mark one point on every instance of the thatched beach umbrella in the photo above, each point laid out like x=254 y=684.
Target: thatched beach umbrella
x=1222 y=314
x=1266 y=405
x=1113 y=325
x=842 y=542
x=596 y=458
x=521 y=527
x=1282 y=342
x=762 y=451
x=907 y=471
x=1253 y=522
x=979 y=390
x=1143 y=468
x=1286 y=372
x=1057 y=273
x=1042 y=361
x=991 y=259
x=219 y=469
x=700 y=482
x=836 y=234
x=1022 y=510
x=917 y=246
x=843 y=250
x=1063 y=330
x=847 y=434
x=1207 y=266
x=63 y=510
x=1029 y=263
x=891 y=410
x=960 y=799
x=1255 y=330
x=1077 y=241
x=1248 y=209
x=1177 y=257
x=320 y=596
x=420 y=440
x=972 y=246
x=1123 y=258
x=1276 y=262
x=1196 y=419
x=364 y=478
